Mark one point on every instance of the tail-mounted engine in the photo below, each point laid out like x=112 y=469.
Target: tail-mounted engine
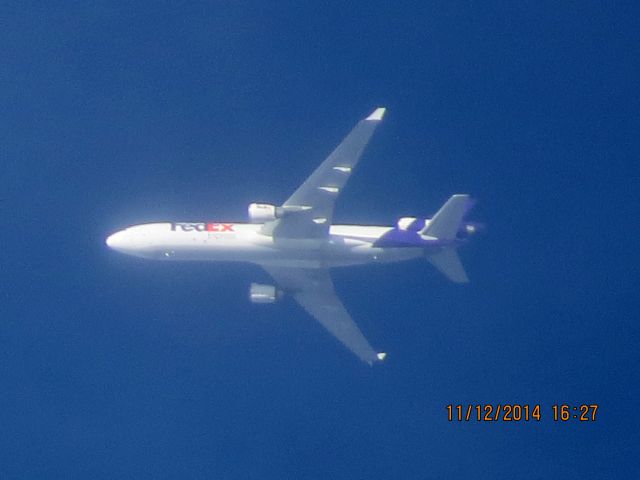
x=469 y=228
x=259 y=293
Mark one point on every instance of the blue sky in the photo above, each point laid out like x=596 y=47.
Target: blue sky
x=116 y=113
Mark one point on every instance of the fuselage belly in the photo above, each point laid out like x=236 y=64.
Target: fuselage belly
x=347 y=245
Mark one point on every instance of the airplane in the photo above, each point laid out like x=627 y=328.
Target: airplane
x=297 y=242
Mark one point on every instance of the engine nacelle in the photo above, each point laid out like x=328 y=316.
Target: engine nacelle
x=259 y=293
x=405 y=222
x=470 y=228
x=263 y=212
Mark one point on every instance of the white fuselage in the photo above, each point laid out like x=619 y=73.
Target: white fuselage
x=243 y=242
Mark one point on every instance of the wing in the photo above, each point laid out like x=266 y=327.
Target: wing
x=309 y=210
x=313 y=290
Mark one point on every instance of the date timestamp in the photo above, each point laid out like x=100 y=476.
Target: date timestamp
x=516 y=412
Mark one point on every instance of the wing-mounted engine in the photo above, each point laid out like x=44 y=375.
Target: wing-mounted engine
x=263 y=212
x=260 y=293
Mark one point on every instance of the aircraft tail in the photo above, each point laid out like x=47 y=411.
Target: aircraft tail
x=446 y=223
x=448 y=262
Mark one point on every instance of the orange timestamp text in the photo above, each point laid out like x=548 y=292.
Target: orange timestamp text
x=516 y=412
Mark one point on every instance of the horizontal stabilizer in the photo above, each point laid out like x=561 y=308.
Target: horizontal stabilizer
x=448 y=262
x=445 y=224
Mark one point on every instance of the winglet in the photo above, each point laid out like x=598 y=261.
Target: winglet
x=381 y=356
x=377 y=114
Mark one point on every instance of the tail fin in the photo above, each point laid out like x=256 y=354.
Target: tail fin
x=448 y=262
x=445 y=224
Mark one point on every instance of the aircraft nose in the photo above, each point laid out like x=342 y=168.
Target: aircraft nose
x=117 y=240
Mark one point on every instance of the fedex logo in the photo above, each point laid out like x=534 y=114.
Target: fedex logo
x=202 y=227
